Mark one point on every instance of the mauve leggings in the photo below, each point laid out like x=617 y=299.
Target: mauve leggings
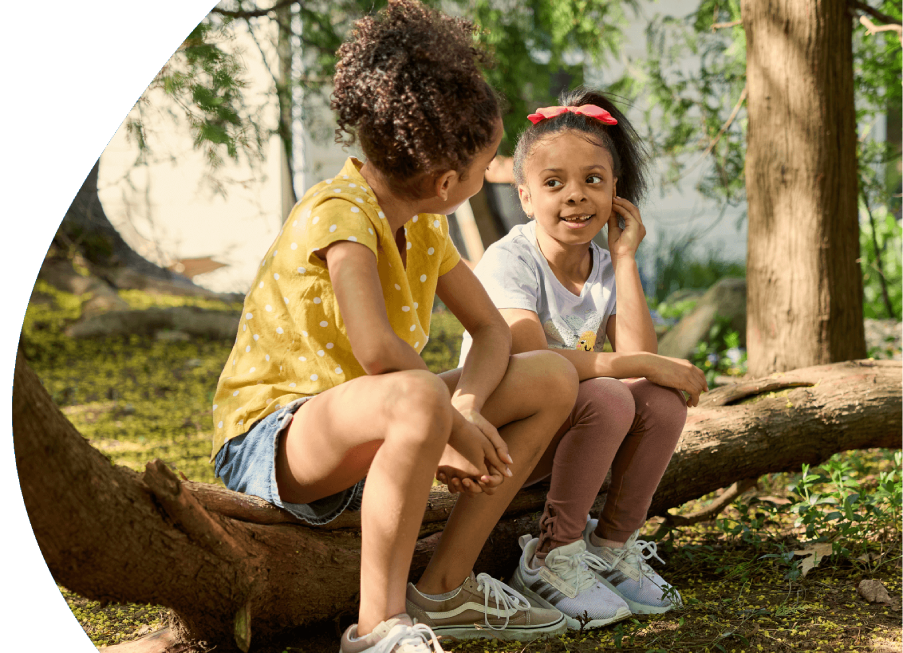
x=631 y=427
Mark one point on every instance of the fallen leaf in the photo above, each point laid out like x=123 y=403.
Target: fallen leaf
x=812 y=555
x=874 y=591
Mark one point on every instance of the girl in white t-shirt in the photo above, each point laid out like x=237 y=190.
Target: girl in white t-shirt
x=581 y=167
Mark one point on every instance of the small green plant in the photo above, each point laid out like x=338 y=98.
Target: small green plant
x=720 y=352
x=836 y=505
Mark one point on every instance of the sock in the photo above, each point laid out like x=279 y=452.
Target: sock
x=440 y=597
x=595 y=540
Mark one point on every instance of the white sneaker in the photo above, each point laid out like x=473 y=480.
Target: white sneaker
x=567 y=584
x=629 y=576
x=394 y=635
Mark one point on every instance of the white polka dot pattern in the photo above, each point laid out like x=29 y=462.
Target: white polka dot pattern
x=301 y=347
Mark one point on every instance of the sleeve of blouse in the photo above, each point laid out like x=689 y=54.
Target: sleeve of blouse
x=335 y=220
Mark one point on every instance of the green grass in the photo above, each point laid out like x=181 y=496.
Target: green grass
x=138 y=398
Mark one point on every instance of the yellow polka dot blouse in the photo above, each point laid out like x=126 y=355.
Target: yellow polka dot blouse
x=291 y=340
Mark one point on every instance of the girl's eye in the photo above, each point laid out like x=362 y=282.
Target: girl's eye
x=594 y=179
x=553 y=183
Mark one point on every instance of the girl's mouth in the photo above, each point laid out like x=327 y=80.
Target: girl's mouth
x=576 y=219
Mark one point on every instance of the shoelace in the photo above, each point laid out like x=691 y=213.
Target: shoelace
x=409 y=639
x=506 y=598
x=579 y=567
x=637 y=553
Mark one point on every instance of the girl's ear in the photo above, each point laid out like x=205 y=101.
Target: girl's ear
x=614 y=188
x=526 y=203
x=443 y=184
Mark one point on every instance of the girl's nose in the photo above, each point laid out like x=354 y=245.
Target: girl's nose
x=575 y=195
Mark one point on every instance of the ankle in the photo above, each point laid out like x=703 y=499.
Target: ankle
x=431 y=587
x=596 y=540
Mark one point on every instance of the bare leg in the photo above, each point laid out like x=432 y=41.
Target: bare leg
x=393 y=429
x=528 y=406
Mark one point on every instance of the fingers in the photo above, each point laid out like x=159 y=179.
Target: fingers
x=496 y=452
x=627 y=209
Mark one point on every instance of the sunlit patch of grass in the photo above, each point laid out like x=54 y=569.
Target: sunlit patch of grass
x=137 y=398
x=113 y=623
x=140 y=300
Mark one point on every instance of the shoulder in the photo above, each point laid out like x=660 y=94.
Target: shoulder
x=517 y=245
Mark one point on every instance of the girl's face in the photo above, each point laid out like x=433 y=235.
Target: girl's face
x=569 y=187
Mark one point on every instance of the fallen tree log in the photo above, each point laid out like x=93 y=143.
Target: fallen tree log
x=235 y=570
x=190 y=320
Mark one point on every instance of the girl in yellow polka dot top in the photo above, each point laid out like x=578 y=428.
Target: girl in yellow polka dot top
x=325 y=388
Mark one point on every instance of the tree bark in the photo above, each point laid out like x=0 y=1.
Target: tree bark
x=87 y=233
x=234 y=569
x=805 y=285
x=86 y=227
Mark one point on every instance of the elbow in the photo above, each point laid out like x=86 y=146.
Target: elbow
x=376 y=356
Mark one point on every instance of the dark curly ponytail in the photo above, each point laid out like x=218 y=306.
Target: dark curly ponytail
x=408 y=86
x=629 y=155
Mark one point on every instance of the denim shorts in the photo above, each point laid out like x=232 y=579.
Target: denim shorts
x=247 y=463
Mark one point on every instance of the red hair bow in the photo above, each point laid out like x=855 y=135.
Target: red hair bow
x=590 y=110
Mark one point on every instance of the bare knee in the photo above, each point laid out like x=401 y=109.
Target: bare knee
x=554 y=381
x=418 y=409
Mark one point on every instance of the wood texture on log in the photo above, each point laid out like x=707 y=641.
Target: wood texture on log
x=111 y=534
x=804 y=281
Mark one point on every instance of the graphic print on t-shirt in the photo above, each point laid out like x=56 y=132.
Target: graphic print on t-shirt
x=575 y=332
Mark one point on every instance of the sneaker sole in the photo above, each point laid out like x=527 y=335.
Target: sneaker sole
x=572 y=623
x=635 y=607
x=511 y=633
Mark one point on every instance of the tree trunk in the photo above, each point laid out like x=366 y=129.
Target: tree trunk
x=86 y=227
x=87 y=233
x=231 y=566
x=805 y=285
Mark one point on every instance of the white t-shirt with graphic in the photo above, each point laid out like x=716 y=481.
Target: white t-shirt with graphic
x=517 y=275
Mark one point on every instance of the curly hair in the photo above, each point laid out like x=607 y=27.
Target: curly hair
x=628 y=153
x=408 y=86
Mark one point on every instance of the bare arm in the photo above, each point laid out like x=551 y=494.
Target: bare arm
x=631 y=329
x=528 y=335
x=355 y=280
x=487 y=361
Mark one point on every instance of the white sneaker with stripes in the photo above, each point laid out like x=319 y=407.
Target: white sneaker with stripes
x=627 y=574
x=567 y=583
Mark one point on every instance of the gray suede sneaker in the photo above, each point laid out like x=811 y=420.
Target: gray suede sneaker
x=484 y=607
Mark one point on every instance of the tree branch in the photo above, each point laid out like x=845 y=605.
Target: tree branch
x=874 y=29
x=720 y=133
x=254 y=13
x=884 y=18
x=708 y=513
x=733 y=23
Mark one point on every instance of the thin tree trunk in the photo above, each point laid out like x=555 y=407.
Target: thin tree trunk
x=805 y=285
x=232 y=567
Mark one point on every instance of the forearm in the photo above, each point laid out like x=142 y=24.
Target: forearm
x=485 y=365
x=634 y=331
x=391 y=354
x=617 y=365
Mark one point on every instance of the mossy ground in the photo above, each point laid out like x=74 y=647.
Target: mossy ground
x=137 y=399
